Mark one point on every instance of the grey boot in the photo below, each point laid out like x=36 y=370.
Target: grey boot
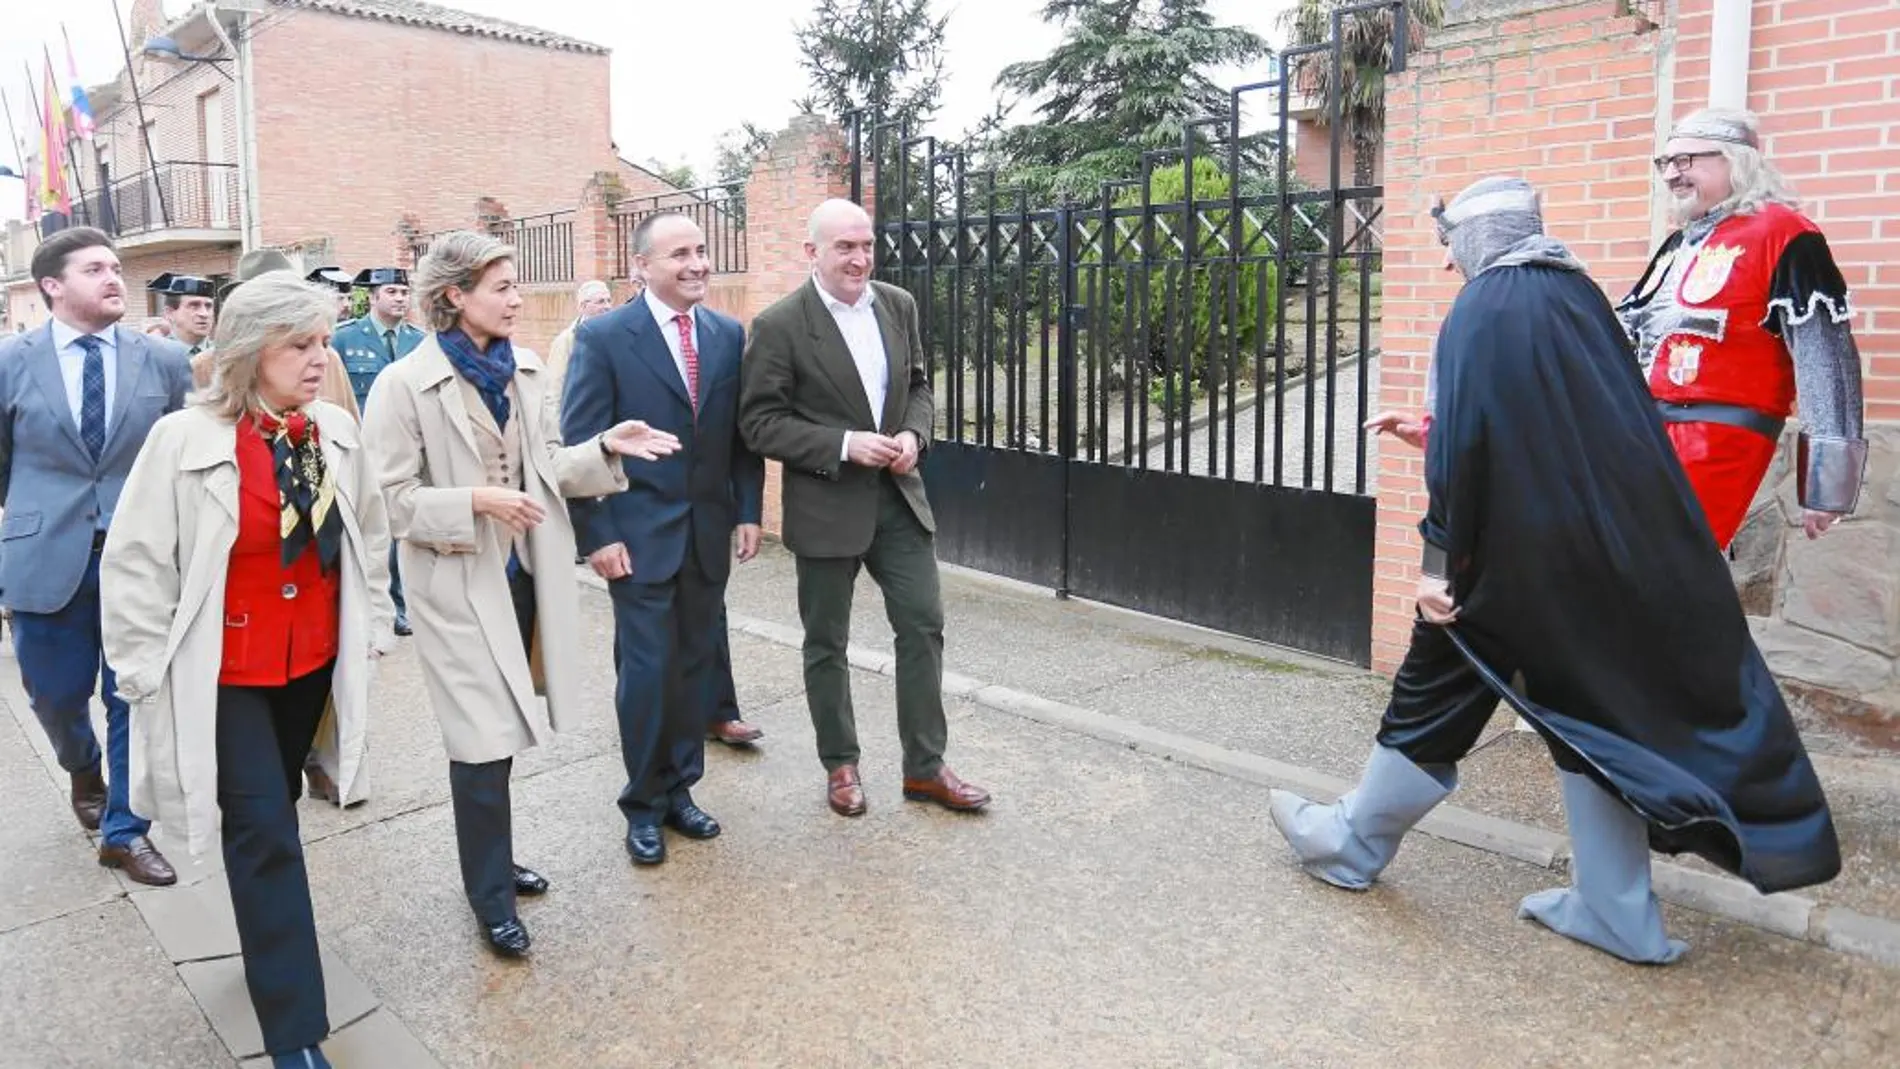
x=1609 y=904
x=1350 y=842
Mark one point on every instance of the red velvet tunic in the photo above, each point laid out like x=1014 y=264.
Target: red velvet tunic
x=279 y=623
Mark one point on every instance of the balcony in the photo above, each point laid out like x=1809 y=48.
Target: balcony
x=171 y=206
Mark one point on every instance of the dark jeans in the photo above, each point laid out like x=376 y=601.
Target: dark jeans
x=61 y=661
x=263 y=734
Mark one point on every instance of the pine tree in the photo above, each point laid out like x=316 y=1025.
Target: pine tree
x=1126 y=77
x=881 y=58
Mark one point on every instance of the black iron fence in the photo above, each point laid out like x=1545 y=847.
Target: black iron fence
x=1155 y=398
x=543 y=244
x=183 y=195
x=719 y=210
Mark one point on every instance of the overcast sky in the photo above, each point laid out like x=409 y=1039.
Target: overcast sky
x=683 y=73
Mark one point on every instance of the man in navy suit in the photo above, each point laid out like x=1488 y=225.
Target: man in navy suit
x=77 y=398
x=665 y=543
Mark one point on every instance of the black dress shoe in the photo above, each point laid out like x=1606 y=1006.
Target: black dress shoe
x=508 y=939
x=645 y=846
x=530 y=882
x=691 y=821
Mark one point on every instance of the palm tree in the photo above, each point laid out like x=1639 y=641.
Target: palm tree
x=1366 y=53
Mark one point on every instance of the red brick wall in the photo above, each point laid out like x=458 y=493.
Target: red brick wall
x=1566 y=98
x=441 y=121
x=1823 y=77
x=1312 y=155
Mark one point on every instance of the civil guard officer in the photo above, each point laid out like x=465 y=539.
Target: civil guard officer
x=339 y=280
x=370 y=344
x=188 y=309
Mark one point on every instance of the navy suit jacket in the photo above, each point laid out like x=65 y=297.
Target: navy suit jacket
x=55 y=495
x=621 y=369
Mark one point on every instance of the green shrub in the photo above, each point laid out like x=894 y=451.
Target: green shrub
x=1196 y=338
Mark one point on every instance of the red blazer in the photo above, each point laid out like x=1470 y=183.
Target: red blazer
x=279 y=623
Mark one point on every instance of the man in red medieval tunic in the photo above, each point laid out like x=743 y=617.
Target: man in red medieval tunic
x=1741 y=311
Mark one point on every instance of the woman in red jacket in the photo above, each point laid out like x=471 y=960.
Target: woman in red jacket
x=250 y=593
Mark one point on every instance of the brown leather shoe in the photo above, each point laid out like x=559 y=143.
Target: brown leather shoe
x=948 y=791
x=319 y=785
x=89 y=797
x=734 y=733
x=141 y=862
x=844 y=792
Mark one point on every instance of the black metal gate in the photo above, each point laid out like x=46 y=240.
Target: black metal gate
x=1154 y=401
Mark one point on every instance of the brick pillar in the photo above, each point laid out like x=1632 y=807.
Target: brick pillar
x=807 y=163
x=593 y=230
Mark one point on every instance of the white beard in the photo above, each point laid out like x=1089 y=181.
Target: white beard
x=1683 y=210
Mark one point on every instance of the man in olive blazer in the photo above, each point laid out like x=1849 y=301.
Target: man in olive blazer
x=837 y=389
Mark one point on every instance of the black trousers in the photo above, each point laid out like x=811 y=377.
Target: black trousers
x=484 y=814
x=663 y=689
x=262 y=736
x=1440 y=704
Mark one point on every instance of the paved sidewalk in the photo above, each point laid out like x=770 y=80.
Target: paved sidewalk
x=1115 y=907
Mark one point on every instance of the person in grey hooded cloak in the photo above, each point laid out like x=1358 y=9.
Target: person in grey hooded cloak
x=1563 y=543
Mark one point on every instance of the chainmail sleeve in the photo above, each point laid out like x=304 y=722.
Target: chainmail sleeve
x=1808 y=308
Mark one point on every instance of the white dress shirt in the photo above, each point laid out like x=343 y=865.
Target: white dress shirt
x=670 y=330
x=72 y=368
x=858 y=323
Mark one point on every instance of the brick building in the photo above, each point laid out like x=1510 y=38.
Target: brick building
x=1577 y=95
x=336 y=130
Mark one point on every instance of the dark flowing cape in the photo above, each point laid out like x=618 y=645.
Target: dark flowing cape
x=1579 y=557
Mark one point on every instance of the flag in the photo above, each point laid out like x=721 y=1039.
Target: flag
x=33 y=193
x=54 y=196
x=83 y=125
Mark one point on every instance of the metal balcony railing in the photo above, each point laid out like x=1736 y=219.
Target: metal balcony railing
x=181 y=195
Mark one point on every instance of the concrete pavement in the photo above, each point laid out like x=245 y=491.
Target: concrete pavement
x=1121 y=904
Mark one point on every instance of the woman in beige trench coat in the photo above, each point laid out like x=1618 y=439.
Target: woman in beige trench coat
x=466 y=439
x=247 y=590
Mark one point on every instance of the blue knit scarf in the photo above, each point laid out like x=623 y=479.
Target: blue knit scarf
x=489 y=372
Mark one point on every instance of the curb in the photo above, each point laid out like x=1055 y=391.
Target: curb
x=1794 y=916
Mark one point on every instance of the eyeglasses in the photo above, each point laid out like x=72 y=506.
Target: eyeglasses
x=1681 y=161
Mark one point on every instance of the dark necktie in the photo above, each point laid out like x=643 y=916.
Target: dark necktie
x=92 y=397
x=689 y=356
x=389 y=337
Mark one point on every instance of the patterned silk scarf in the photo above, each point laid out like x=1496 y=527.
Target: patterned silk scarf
x=306 y=493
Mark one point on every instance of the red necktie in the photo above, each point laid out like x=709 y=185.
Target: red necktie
x=689 y=356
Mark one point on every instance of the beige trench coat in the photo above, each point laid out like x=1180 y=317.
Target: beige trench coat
x=454 y=564
x=161 y=581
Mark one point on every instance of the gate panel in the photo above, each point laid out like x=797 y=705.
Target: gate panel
x=1278 y=564
x=998 y=510
x=1154 y=399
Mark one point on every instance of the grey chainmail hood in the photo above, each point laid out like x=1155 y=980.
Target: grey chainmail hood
x=1495 y=222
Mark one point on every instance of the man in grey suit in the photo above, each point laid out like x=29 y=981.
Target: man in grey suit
x=77 y=398
x=837 y=389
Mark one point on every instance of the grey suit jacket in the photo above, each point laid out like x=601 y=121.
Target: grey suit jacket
x=53 y=492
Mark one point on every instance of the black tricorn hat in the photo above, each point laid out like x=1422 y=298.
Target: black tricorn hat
x=334 y=277
x=372 y=277
x=176 y=285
